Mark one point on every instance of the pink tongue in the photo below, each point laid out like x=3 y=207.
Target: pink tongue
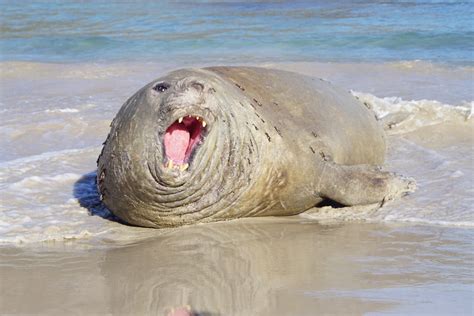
x=176 y=142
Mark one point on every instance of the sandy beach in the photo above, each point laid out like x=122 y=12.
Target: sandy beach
x=64 y=76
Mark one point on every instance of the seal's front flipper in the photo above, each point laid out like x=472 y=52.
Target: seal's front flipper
x=362 y=184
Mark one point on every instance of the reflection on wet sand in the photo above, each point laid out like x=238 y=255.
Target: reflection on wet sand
x=237 y=268
x=268 y=266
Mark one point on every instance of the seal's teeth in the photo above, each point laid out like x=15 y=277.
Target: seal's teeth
x=204 y=123
x=184 y=167
x=170 y=164
x=180 y=120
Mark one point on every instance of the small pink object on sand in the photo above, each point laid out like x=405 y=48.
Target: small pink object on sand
x=180 y=311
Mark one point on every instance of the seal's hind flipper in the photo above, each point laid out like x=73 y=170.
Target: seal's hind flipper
x=362 y=184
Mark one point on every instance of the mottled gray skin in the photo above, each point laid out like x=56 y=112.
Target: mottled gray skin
x=277 y=143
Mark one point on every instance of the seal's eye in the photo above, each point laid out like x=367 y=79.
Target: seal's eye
x=161 y=87
x=198 y=86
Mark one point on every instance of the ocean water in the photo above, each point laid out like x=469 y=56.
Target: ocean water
x=65 y=70
x=240 y=31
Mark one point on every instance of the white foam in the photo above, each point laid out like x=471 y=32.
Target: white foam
x=402 y=116
x=39 y=181
x=373 y=214
x=17 y=163
x=65 y=110
x=417 y=220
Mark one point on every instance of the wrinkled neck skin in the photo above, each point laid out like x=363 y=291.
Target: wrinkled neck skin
x=216 y=176
x=135 y=177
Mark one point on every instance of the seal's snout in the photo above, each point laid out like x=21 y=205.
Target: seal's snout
x=181 y=140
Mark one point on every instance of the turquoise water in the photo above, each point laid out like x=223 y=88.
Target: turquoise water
x=435 y=31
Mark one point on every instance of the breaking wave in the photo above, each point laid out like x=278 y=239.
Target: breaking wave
x=402 y=116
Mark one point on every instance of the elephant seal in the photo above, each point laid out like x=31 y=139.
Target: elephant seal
x=219 y=143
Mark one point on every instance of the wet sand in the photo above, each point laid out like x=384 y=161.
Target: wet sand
x=269 y=266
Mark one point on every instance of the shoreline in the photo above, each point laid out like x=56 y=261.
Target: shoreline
x=367 y=77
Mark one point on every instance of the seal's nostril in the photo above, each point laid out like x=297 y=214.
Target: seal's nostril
x=161 y=87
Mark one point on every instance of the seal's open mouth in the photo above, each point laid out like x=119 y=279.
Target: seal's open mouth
x=181 y=139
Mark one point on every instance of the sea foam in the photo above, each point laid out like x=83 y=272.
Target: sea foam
x=402 y=116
